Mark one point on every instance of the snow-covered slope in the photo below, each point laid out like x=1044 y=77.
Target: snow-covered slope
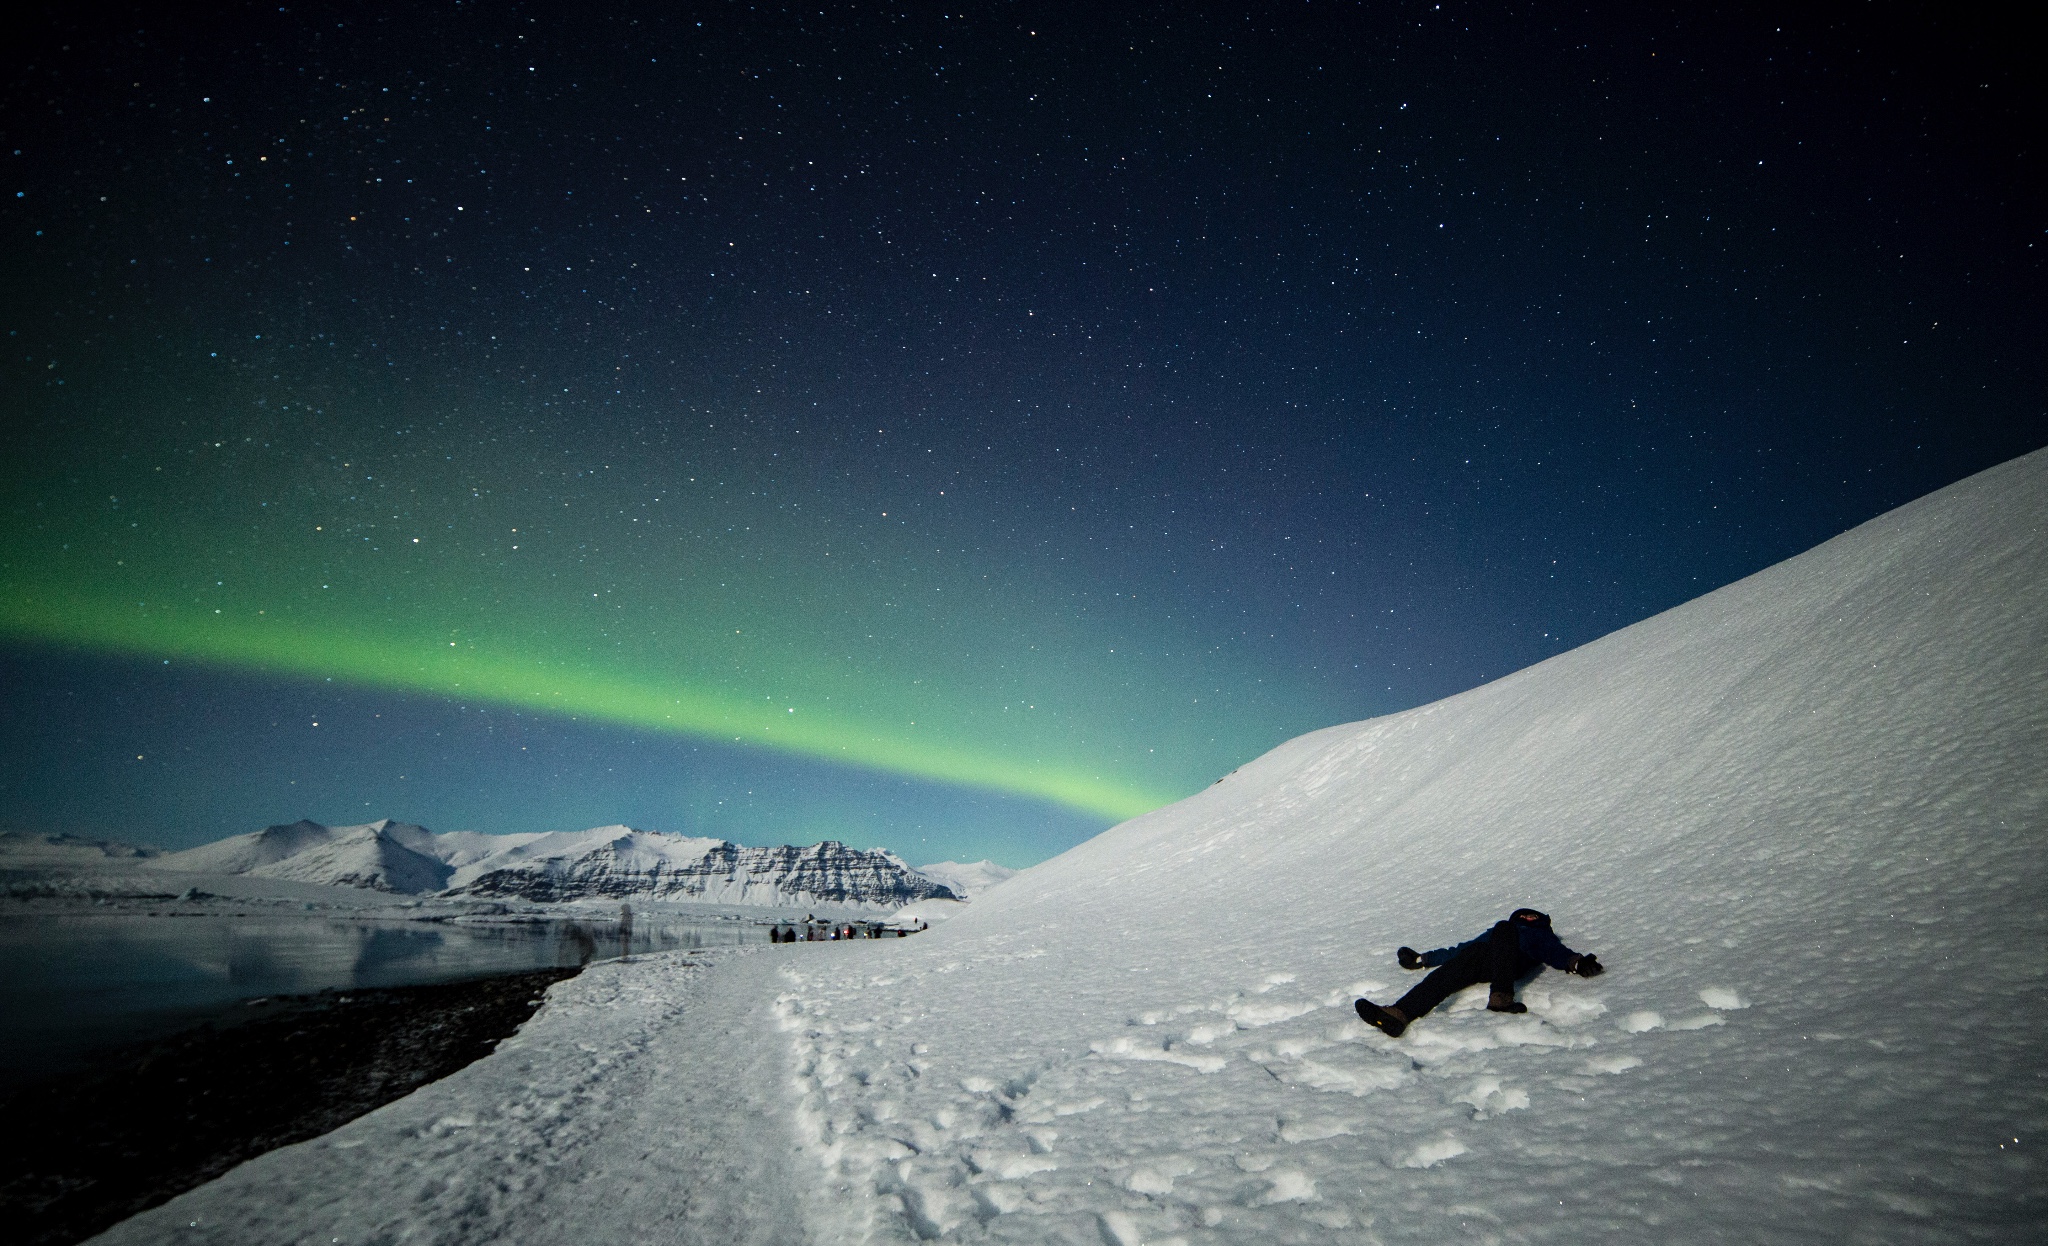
x=382 y=856
x=239 y=854
x=966 y=879
x=604 y=860
x=1802 y=819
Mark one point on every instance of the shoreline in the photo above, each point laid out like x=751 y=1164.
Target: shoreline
x=154 y=1119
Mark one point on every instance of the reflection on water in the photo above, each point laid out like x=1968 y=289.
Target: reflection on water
x=72 y=982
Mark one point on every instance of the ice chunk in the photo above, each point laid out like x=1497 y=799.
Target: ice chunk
x=1430 y=1154
x=1288 y=1186
x=1489 y=1098
x=1312 y=1131
x=1156 y=1176
x=1360 y=1080
x=1700 y=1022
x=1723 y=998
x=1252 y=1016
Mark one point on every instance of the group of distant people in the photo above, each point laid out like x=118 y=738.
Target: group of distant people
x=811 y=930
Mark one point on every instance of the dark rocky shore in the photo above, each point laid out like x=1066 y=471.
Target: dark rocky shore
x=151 y=1121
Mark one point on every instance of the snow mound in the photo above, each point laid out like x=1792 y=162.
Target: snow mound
x=966 y=880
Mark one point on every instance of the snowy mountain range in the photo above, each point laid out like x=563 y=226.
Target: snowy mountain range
x=610 y=862
x=19 y=848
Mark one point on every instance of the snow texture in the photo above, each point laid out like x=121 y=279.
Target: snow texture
x=1800 y=819
x=600 y=1121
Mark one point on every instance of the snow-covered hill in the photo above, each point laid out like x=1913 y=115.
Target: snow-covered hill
x=1803 y=819
x=967 y=879
x=606 y=862
x=382 y=856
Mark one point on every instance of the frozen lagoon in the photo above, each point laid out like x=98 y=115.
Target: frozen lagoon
x=76 y=978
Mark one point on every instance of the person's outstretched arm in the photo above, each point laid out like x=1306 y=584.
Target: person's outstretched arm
x=1430 y=960
x=1545 y=946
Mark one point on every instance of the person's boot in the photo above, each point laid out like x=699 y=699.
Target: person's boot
x=1389 y=1021
x=1408 y=958
x=1504 y=1001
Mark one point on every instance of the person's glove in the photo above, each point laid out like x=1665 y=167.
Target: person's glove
x=1587 y=966
x=1408 y=958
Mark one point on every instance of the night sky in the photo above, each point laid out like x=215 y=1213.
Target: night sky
x=952 y=432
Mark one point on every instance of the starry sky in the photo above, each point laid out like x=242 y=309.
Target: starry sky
x=948 y=431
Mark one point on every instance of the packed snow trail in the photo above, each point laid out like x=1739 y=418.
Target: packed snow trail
x=640 y=1105
x=1804 y=821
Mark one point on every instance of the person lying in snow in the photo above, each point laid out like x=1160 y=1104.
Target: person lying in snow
x=1500 y=956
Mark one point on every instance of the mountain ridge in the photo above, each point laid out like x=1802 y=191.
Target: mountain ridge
x=610 y=862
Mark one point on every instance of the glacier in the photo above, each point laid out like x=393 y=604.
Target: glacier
x=1801 y=818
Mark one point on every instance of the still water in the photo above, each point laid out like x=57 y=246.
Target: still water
x=72 y=983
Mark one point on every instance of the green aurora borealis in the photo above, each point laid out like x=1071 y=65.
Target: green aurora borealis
x=637 y=585
x=952 y=432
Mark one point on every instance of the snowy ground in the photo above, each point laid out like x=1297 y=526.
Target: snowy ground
x=601 y=1121
x=1802 y=819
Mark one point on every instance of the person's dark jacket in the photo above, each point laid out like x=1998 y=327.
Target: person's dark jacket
x=1537 y=940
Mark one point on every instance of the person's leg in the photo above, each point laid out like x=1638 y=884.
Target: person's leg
x=1472 y=965
x=1506 y=963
